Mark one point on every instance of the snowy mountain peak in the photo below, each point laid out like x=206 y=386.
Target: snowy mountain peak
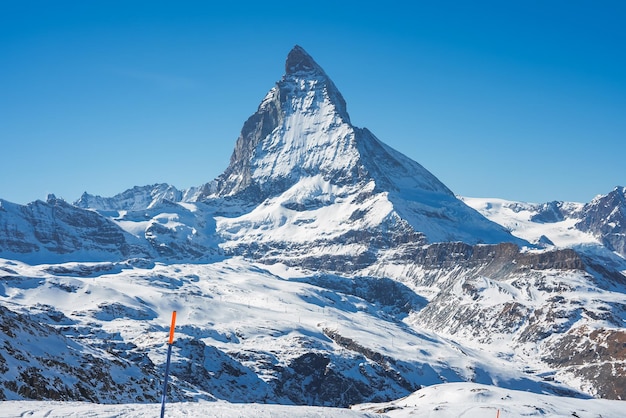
x=302 y=130
x=137 y=198
x=299 y=61
x=299 y=151
x=305 y=84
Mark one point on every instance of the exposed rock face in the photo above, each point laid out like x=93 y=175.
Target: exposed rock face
x=495 y=258
x=605 y=217
x=596 y=356
x=302 y=113
x=215 y=372
x=56 y=227
x=550 y=212
x=299 y=61
x=495 y=294
x=311 y=379
x=62 y=369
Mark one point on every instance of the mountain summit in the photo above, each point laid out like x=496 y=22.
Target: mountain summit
x=315 y=179
x=301 y=127
x=298 y=60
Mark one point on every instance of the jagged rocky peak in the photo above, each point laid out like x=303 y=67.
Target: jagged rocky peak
x=53 y=200
x=305 y=84
x=302 y=130
x=298 y=60
x=136 y=198
x=304 y=76
x=605 y=217
x=300 y=151
x=299 y=128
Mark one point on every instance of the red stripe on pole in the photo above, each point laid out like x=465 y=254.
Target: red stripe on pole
x=172 y=326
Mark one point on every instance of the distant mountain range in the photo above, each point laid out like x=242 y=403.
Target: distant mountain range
x=321 y=268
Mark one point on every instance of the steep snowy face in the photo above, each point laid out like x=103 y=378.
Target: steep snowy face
x=302 y=130
x=311 y=175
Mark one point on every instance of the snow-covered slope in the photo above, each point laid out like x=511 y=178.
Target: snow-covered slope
x=597 y=228
x=565 y=324
x=38 y=361
x=57 y=231
x=173 y=410
x=470 y=400
x=548 y=224
x=453 y=400
x=245 y=333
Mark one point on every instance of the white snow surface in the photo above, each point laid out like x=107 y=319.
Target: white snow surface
x=36 y=409
x=312 y=124
x=471 y=400
x=516 y=216
x=237 y=305
x=451 y=400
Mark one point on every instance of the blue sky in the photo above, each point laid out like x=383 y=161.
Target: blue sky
x=522 y=100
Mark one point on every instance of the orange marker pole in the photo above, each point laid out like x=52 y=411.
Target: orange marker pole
x=172 y=326
x=167 y=364
x=498 y=414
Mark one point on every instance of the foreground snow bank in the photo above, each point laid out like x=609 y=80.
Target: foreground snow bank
x=41 y=409
x=470 y=400
x=450 y=400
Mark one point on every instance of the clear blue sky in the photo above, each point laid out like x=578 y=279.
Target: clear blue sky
x=523 y=100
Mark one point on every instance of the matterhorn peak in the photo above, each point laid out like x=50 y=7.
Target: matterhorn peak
x=304 y=78
x=299 y=61
x=302 y=130
x=300 y=151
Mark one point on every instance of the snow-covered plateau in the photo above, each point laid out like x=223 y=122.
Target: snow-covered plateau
x=322 y=270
